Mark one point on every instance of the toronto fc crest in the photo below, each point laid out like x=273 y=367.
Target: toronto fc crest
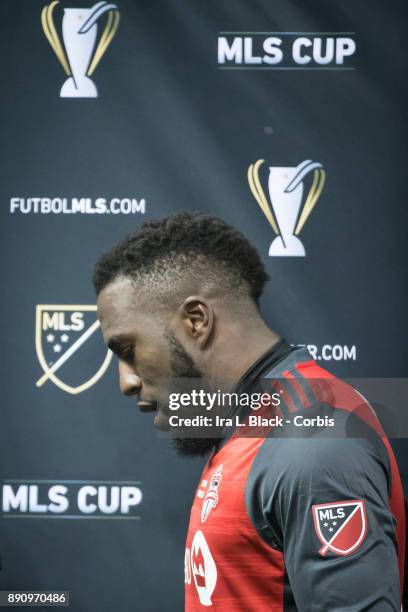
x=211 y=497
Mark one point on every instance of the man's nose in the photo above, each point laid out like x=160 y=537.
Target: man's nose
x=129 y=382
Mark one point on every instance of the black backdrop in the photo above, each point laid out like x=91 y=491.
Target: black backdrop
x=172 y=129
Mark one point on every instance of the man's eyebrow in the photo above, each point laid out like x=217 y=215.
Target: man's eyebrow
x=116 y=343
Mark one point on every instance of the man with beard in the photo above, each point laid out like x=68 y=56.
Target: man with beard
x=279 y=522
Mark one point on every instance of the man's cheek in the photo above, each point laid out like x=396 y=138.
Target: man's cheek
x=156 y=362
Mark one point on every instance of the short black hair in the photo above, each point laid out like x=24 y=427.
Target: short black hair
x=179 y=240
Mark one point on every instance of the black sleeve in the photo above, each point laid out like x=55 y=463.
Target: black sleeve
x=323 y=501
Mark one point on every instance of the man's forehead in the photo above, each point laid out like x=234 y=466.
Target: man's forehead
x=117 y=294
x=119 y=308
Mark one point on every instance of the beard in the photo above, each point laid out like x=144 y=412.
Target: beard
x=183 y=366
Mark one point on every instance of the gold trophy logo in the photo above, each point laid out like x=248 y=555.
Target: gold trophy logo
x=285 y=212
x=79 y=32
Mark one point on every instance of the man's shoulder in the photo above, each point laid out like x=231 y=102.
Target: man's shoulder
x=292 y=472
x=287 y=465
x=297 y=453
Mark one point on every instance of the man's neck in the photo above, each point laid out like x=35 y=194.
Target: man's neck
x=247 y=343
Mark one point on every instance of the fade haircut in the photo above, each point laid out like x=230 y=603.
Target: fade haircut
x=185 y=251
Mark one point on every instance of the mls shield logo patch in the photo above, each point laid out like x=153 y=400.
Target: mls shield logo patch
x=340 y=526
x=71 y=355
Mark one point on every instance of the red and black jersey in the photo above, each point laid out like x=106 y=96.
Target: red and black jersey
x=300 y=522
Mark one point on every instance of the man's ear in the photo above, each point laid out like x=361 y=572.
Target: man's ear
x=197 y=317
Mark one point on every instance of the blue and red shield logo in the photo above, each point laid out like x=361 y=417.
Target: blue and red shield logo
x=340 y=526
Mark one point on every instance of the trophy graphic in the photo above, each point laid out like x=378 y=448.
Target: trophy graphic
x=286 y=214
x=79 y=32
